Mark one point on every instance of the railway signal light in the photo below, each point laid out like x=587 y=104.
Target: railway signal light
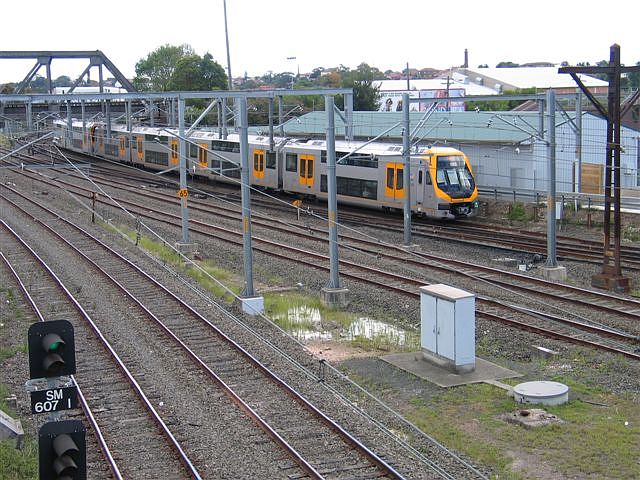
x=51 y=349
x=62 y=451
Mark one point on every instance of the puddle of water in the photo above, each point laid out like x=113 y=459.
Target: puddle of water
x=310 y=323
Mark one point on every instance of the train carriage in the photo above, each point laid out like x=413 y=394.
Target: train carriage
x=370 y=175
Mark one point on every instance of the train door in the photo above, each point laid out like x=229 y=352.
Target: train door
x=394 y=182
x=419 y=191
x=305 y=170
x=121 y=147
x=202 y=155
x=174 y=151
x=258 y=164
x=92 y=138
x=140 y=148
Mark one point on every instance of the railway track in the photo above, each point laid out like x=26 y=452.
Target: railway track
x=611 y=305
x=122 y=412
x=200 y=341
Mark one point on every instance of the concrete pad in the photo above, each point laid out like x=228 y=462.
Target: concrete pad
x=415 y=364
x=334 y=297
x=252 y=305
x=554 y=274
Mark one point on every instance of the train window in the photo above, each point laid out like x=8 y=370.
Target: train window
x=159 y=158
x=225 y=146
x=390 y=175
x=291 y=162
x=271 y=160
x=419 y=177
x=193 y=150
x=323 y=156
x=399 y=179
x=352 y=187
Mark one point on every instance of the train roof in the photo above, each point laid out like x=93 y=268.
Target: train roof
x=374 y=148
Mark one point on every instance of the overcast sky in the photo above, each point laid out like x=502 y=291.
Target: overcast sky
x=325 y=33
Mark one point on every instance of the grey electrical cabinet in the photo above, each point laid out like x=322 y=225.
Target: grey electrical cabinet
x=448 y=327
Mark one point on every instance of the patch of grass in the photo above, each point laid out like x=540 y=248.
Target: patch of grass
x=210 y=285
x=631 y=233
x=594 y=440
x=202 y=275
x=19 y=464
x=518 y=212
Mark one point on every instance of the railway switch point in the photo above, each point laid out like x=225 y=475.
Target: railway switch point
x=334 y=297
x=554 y=274
x=252 y=305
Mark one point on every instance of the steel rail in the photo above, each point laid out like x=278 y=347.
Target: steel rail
x=113 y=465
x=154 y=414
x=374 y=458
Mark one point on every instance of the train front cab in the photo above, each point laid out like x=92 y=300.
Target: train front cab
x=448 y=188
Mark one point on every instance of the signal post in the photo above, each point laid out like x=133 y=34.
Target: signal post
x=52 y=361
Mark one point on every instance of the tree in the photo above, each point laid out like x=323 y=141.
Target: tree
x=507 y=65
x=155 y=71
x=366 y=97
x=634 y=79
x=197 y=73
x=62 y=81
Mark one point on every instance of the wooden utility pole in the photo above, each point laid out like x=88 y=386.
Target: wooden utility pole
x=611 y=276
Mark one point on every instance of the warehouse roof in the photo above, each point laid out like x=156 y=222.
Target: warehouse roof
x=527 y=77
x=432 y=84
x=459 y=127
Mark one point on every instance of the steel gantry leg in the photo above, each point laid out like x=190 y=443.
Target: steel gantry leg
x=251 y=303
x=333 y=294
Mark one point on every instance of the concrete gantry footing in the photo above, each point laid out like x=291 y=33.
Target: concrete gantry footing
x=10 y=428
x=187 y=249
x=554 y=274
x=334 y=297
x=252 y=305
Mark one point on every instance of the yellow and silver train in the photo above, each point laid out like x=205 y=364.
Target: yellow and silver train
x=442 y=183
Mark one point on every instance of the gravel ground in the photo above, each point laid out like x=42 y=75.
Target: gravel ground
x=502 y=345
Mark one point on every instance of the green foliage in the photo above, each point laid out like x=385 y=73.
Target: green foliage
x=171 y=67
x=507 y=65
x=594 y=439
x=195 y=73
x=18 y=464
x=517 y=211
x=366 y=97
x=501 y=105
x=155 y=72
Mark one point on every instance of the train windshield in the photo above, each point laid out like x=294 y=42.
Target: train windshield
x=453 y=176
